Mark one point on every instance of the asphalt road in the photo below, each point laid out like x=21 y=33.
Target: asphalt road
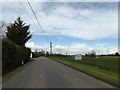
x=45 y=73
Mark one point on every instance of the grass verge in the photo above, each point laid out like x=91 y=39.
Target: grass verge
x=102 y=74
x=14 y=72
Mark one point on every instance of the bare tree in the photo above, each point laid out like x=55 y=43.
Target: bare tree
x=92 y=53
x=3 y=29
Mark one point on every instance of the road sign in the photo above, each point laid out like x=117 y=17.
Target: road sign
x=78 y=57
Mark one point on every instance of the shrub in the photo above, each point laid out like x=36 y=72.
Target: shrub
x=12 y=55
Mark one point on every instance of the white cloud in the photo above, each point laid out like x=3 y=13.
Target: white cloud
x=76 y=48
x=100 y=44
x=63 y=19
x=88 y=24
x=33 y=46
x=61 y=0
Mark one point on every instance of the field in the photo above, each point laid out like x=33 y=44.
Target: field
x=103 y=62
x=104 y=67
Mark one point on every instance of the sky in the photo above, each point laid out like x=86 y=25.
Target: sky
x=72 y=27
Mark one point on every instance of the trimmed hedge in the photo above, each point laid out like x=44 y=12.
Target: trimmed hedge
x=12 y=55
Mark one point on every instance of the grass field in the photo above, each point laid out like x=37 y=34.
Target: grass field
x=104 y=67
x=103 y=62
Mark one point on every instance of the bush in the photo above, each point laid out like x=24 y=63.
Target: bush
x=12 y=55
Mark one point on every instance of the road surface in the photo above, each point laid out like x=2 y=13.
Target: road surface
x=46 y=73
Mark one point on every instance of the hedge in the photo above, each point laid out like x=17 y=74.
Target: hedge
x=12 y=55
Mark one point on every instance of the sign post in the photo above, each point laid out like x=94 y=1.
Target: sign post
x=22 y=62
x=31 y=55
x=78 y=57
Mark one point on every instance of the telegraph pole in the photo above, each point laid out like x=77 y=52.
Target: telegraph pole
x=50 y=47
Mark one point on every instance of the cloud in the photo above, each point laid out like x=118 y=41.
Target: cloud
x=100 y=44
x=99 y=21
x=76 y=48
x=84 y=23
x=61 y=0
x=72 y=49
x=33 y=46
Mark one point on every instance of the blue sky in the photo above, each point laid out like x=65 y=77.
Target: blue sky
x=73 y=27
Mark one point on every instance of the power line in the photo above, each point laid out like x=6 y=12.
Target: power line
x=37 y=20
x=22 y=6
x=25 y=11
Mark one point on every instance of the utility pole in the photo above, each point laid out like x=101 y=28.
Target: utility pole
x=50 y=47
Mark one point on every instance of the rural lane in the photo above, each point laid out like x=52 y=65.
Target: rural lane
x=46 y=73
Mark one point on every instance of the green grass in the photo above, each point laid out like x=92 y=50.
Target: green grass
x=108 y=62
x=12 y=73
x=102 y=67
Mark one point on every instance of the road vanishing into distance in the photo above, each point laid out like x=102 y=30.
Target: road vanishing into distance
x=46 y=73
